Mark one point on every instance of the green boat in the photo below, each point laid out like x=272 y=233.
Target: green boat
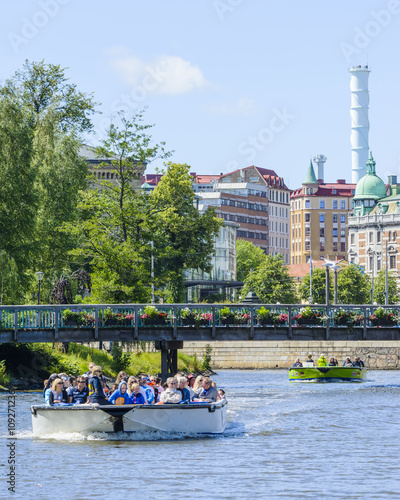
x=328 y=374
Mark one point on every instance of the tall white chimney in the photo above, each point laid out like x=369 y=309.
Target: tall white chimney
x=320 y=160
x=359 y=121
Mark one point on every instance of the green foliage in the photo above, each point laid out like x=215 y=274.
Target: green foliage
x=353 y=286
x=121 y=360
x=379 y=288
x=5 y=378
x=248 y=258
x=271 y=282
x=318 y=286
x=206 y=363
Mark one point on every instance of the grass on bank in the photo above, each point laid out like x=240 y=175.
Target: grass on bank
x=37 y=361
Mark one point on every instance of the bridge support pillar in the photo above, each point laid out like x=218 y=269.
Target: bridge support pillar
x=169 y=356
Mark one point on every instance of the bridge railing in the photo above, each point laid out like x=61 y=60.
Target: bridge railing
x=196 y=315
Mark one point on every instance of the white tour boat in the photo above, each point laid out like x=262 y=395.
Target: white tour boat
x=198 y=418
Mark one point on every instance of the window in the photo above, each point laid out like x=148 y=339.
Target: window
x=334 y=232
x=334 y=192
x=343 y=233
x=250 y=234
x=378 y=236
x=322 y=246
x=334 y=204
x=394 y=236
x=308 y=245
x=379 y=264
x=310 y=190
x=352 y=238
x=322 y=217
x=308 y=231
x=343 y=218
x=307 y=217
x=342 y=246
x=371 y=237
x=392 y=262
x=334 y=246
x=334 y=218
x=243 y=234
x=308 y=204
x=343 y=204
x=322 y=232
x=321 y=203
x=390 y=235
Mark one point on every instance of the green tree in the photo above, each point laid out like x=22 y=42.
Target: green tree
x=318 y=286
x=272 y=282
x=42 y=88
x=353 y=286
x=379 y=288
x=183 y=238
x=248 y=258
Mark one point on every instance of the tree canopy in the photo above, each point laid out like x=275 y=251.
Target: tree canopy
x=271 y=282
x=379 y=288
x=353 y=286
x=248 y=258
x=318 y=286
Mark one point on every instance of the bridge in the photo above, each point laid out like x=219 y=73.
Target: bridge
x=169 y=325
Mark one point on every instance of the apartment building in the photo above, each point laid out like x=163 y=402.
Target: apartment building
x=319 y=215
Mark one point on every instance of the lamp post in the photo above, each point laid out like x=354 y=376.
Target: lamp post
x=39 y=276
x=327 y=266
x=335 y=269
x=152 y=272
x=386 y=278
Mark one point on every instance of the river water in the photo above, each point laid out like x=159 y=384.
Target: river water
x=282 y=440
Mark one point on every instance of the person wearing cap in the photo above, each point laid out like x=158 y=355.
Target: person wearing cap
x=358 y=363
x=347 y=362
x=148 y=390
x=322 y=361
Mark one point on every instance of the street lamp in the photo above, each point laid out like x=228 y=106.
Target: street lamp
x=39 y=276
x=327 y=265
x=335 y=269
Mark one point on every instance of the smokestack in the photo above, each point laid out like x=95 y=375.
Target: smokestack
x=320 y=160
x=359 y=121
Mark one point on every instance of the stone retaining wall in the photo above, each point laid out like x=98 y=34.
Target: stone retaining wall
x=383 y=355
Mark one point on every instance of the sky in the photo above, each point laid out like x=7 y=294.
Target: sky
x=227 y=83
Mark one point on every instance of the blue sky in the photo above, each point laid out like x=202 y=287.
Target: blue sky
x=228 y=83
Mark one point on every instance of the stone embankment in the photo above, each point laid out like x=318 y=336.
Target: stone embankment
x=383 y=355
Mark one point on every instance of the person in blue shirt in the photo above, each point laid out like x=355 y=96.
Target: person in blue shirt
x=148 y=390
x=136 y=396
x=182 y=388
x=96 y=393
x=79 y=395
x=120 y=396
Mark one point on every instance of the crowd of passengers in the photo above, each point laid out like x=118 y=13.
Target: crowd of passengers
x=92 y=387
x=322 y=361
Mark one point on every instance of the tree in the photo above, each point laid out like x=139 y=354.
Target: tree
x=379 y=288
x=183 y=238
x=42 y=88
x=353 y=286
x=248 y=258
x=272 y=282
x=318 y=286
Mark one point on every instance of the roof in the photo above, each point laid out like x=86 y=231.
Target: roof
x=310 y=175
x=370 y=186
x=301 y=270
x=204 y=179
x=270 y=176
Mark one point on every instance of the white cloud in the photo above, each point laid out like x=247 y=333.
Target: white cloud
x=165 y=75
x=243 y=107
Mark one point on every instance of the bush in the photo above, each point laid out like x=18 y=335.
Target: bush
x=206 y=363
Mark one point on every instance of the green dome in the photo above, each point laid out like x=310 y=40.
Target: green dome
x=370 y=187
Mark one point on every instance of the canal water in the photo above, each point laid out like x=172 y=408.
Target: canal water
x=302 y=441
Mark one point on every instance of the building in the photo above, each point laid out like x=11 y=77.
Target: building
x=103 y=170
x=374 y=226
x=319 y=213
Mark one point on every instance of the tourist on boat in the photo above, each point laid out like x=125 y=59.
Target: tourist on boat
x=158 y=388
x=96 y=393
x=88 y=374
x=333 y=362
x=221 y=394
x=79 y=395
x=121 y=376
x=171 y=393
x=131 y=380
x=136 y=398
x=191 y=380
x=309 y=361
x=120 y=396
x=322 y=361
x=149 y=391
x=207 y=393
x=58 y=394
x=47 y=387
x=297 y=363
x=358 y=363
x=347 y=362
x=183 y=389
x=197 y=383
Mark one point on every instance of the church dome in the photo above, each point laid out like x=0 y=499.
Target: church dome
x=370 y=187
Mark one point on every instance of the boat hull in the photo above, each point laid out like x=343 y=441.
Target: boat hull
x=327 y=374
x=198 y=418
